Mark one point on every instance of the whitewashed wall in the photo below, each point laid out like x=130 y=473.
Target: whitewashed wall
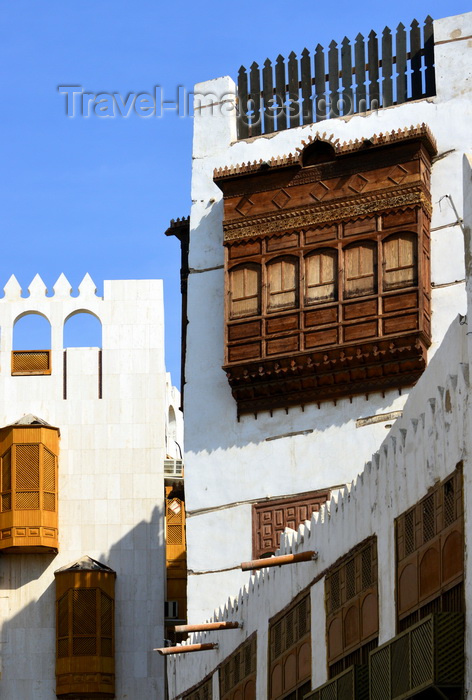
x=110 y=480
x=423 y=447
x=230 y=464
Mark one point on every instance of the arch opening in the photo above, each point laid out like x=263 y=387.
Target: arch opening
x=82 y=329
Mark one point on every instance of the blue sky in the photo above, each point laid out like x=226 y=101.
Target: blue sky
x=95 y=195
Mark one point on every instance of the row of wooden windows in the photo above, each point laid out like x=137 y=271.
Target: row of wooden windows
x=355 y=267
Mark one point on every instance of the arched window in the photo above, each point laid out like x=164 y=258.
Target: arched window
x=31 y=345
x=360 y=269
x=244 y=291
x=400 y=267
x=282 y=284
x=82 y=330
x=321 y=276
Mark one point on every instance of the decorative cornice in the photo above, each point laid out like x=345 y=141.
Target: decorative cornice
x=420 y=131
x=316 y=214
x=337 y=372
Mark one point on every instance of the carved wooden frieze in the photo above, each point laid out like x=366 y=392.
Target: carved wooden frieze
x=327 y=270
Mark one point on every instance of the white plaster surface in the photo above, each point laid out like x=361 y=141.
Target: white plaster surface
x=229 y=461
x=110 y=480
x=423 y=447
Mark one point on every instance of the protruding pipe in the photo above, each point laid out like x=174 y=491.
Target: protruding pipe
x=164 y=651
x=279 y=561
x=206 y=626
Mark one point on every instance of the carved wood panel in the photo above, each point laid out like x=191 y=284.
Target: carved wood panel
x=341 y=251
x=269 y=519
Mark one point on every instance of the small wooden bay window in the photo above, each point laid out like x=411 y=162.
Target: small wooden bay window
x=85 y=665
x=28 y=517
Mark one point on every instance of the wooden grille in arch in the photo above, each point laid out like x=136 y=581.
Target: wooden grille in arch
x=352 y=620
x=28 y=505
x=238 y=673
x=85 y=665
x=290 y=650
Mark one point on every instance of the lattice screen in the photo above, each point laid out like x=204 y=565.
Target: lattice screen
x=6 y=482
x=31 y=361
x=352 y=607
x=238 y=669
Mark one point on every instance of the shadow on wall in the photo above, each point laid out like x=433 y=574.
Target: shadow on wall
x=28 y=638
x=208 y=399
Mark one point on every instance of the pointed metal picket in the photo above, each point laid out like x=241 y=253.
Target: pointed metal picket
x=415 y=51
x=401 y=64
x=373 y=55
x=320 y=84
x=333 y=72
x=387 y=87
x=268 y=97
x=307 y=104
x=346 y=69
x=293 y=91
x=255 y=100
x=428 y=42
x=280 y=92
x=243 y=125
x=359 y=53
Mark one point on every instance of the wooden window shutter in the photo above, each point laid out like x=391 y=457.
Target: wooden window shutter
x=27 y=477
x=6 y=482
x=84 y=622
x=360 y=270
x=244 y=291
x=282 y=284
x=49 y=480
x=321 y=276
x=400 y=261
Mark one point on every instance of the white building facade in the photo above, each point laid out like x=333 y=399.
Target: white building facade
x=108 y=404
x=236 y=461
x=408 y=506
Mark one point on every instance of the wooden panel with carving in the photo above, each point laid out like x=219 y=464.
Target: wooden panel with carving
x=344 y=262
x=238 y=673
x=270 y=518
x=352 y=620
x=430 y=553
x=290 y=650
